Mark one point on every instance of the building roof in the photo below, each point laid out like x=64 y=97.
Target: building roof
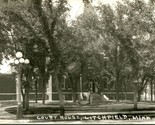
x=88 y=8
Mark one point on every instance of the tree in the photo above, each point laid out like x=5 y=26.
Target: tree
x=128 y=27
x=38 y=21
x=49 y=26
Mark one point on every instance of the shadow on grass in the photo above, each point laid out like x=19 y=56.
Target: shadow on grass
x=35 y=110
x=54 y=110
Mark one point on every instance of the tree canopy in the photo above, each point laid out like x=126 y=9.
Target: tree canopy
x=117 y=42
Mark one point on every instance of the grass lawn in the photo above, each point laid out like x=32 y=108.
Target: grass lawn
x=53 y=107
x=7 y=103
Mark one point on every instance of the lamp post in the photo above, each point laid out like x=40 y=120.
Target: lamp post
x=18 y=62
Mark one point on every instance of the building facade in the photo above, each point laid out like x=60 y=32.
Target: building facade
x=97 y=85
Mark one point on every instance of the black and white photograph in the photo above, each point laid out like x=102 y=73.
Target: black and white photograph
x=77 y=61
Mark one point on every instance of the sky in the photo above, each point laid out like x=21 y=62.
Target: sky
x=76 y=9
x=5 y=67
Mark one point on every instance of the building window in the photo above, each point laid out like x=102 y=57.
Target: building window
x=105 y=83
x=111 y=85
x=68 y=84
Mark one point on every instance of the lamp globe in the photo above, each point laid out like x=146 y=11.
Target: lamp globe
x=26 y=61
x=19 y=55
x=16 y=61
x=21 y=60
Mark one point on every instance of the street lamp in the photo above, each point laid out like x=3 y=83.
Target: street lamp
x=18 y=62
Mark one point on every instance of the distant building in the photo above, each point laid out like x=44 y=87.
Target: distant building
x=89 y=81
x=7 y=87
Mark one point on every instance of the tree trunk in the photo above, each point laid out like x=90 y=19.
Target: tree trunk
x=125 y=88
x=145 y=92
x=73 y=83
x=140 y=90
x=154 y=89
x=74 y=90
x=117 y=86
x=135 y=99
x=122 y=91
x=135 y=95
x=61 y=97
x=117 y=73
x=151 y=86
x=139 y=95
x=74 y=96
x=27 y=98
x=23 y=95
x=44 y=91
x=36 y=91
